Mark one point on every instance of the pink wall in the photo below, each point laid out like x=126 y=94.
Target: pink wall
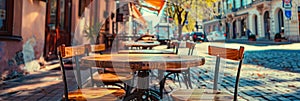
x=33 y=24
x=28 y=22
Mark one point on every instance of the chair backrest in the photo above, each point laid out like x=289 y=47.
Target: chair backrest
x=94 y=48
x=191 y=47
x=227 y=53
x=69 y=52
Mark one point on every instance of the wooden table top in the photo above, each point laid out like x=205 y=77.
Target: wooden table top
x=138 y=61
x=143 y=51
x=141 y=44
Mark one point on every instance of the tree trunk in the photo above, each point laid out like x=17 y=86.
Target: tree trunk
x=179 y=32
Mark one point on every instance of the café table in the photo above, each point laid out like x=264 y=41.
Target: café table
x=143 y=44
x=143 y=62
x=142 y=51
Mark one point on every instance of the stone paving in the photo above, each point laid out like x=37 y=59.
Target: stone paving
x=268 y=73
x=43 y=86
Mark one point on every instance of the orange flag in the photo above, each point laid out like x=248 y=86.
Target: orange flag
x=136 y=13
x=158 y=4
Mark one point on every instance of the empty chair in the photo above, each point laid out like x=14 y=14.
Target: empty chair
x=76 y=52
x=214 y=94
x=176 y=71
x=110 y=75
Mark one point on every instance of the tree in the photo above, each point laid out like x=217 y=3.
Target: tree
x=180 y=10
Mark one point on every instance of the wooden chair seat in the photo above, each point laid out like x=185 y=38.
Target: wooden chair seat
x=176 y=70
x=200 y=95
x=106 y=94
x=112 y=77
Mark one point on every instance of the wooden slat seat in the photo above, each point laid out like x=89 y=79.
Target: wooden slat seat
x=113 y=77
x=200 y=95
x=105 y=94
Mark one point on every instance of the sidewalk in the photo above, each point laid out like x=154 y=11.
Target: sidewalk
x=46 y=85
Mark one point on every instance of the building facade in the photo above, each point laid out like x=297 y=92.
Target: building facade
x=30 y=30
x=264 y=18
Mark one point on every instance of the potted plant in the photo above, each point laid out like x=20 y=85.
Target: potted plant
x=92 y=32
x=252 y=37
x=277 y=37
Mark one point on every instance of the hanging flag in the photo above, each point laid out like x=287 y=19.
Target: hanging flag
x=158 y=5
x=136 y=13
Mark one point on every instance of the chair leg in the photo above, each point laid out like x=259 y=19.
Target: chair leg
x=92 y=79
x=162 y=84
x=189 y=78
x=185 y=80
x=177 y=74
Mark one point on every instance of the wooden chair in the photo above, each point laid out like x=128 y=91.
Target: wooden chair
x=110 y=75
x=214 y=94
x=175 y=71
x=72 y=53
x=87 y=93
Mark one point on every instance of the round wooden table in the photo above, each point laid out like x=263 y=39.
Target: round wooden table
x=144 y=63
x=142 y=44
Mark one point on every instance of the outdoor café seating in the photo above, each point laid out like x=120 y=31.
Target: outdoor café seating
x=214 y=94
x=109 y=75
x=176 y=71
x=107 y=72
x=83 y=94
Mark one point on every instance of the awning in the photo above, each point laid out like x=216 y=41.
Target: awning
x=136 y=13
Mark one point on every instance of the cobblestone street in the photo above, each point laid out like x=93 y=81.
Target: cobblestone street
x=268 y=72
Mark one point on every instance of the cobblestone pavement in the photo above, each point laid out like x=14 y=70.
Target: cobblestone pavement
x=43 y=86
x=268 y=73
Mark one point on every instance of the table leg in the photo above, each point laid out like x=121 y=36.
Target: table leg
x=143 y=92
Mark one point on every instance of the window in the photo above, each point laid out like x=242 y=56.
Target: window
x=6 y=15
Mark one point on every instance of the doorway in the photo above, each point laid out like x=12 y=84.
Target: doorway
x=234 y=29
x=58 y=24
x=267 y=25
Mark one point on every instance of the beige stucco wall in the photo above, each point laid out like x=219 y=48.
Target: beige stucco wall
x=93 y=14
x=293 y=25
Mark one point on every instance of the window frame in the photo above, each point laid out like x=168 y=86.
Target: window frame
x=9 y=16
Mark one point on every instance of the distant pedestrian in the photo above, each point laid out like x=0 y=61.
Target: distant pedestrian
x=248 y=32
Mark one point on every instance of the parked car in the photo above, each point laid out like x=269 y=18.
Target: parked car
x=216 y=36
x=199 y=36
